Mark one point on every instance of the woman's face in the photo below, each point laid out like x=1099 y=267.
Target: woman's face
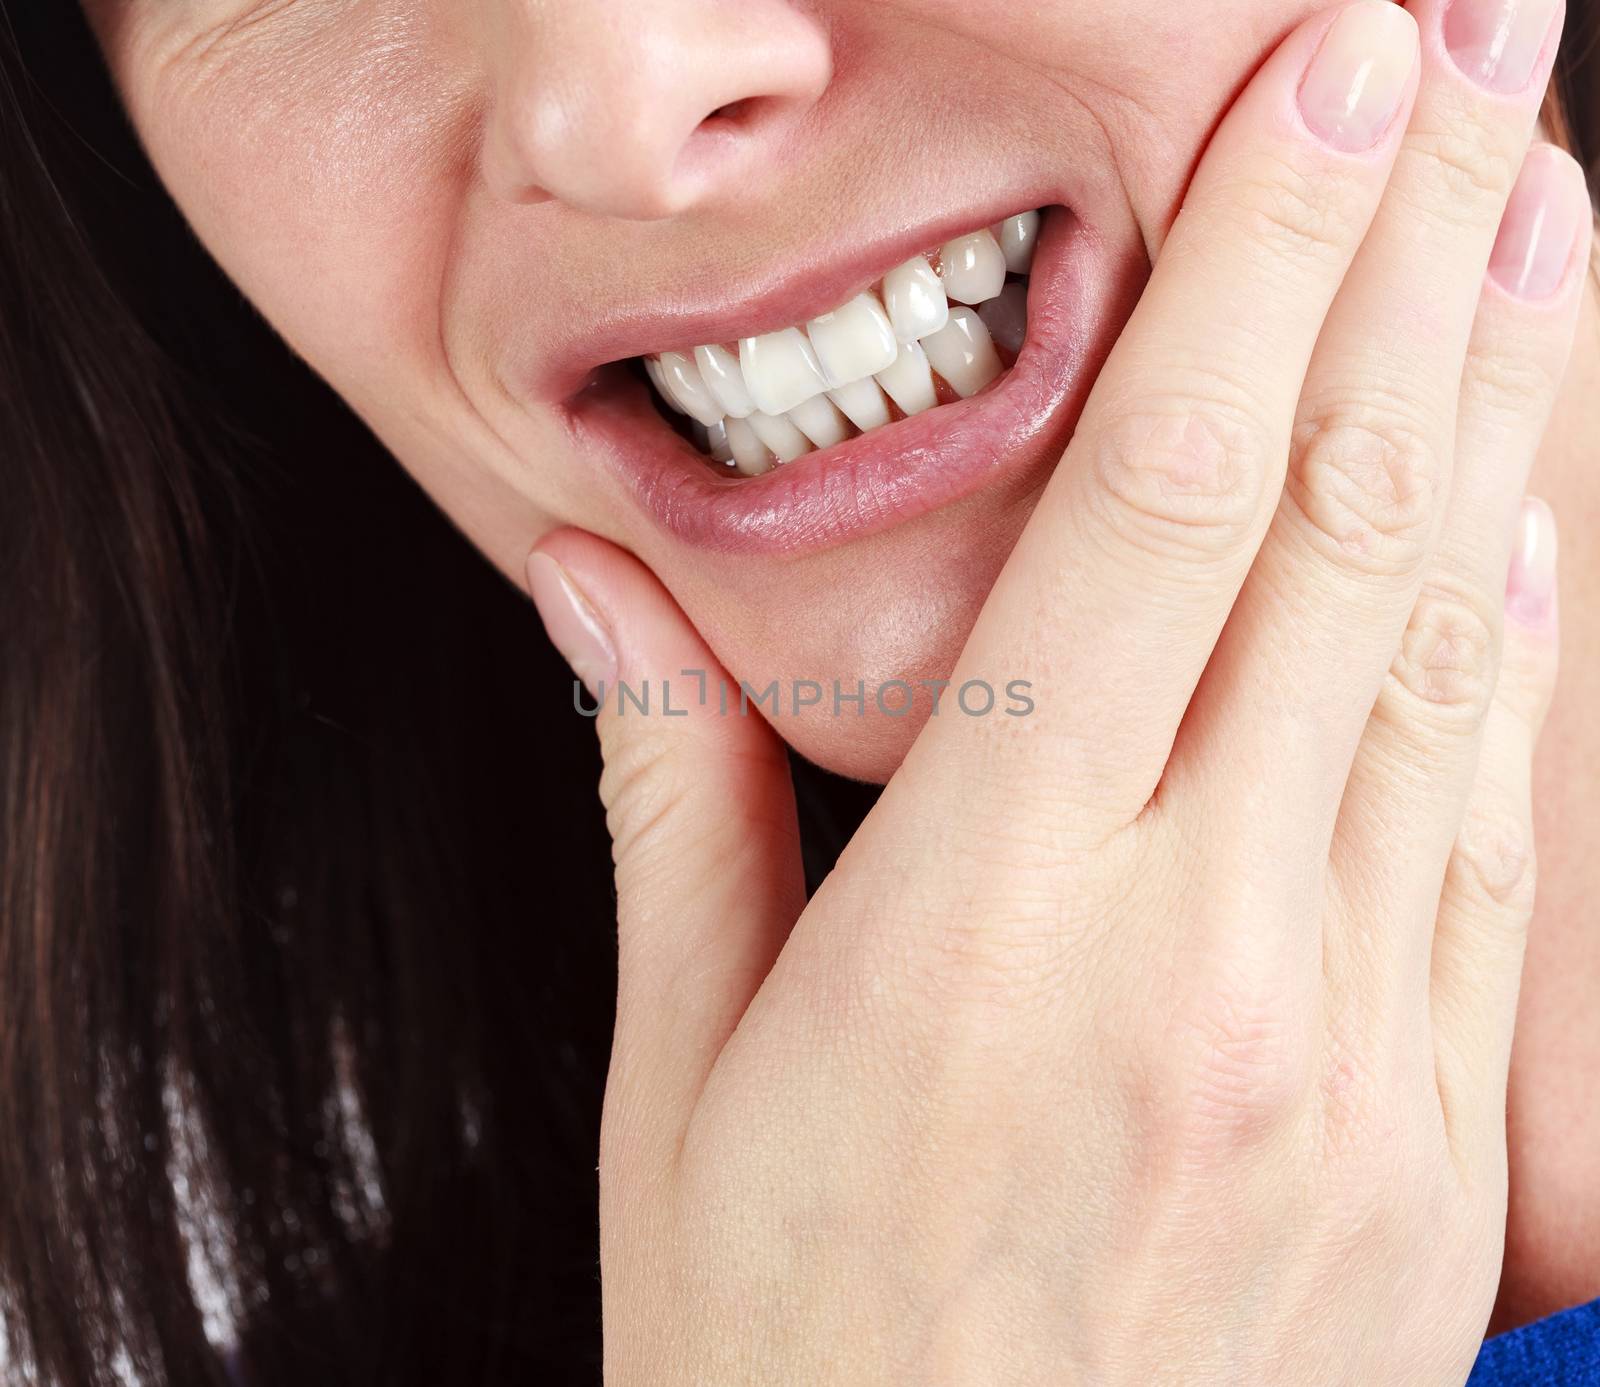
x=470 y=216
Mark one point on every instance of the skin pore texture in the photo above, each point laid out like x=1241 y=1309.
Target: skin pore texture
x=455 y=211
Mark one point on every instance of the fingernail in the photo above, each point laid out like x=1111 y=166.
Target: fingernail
x=1353 y=90
x=1499 y=44
x=1531 y=583
x=573 y=625
x=1543 y=220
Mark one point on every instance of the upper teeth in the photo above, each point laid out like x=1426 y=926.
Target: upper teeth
x=777 y=395
x=915 y=299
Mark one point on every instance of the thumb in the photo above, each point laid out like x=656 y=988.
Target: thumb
x=700 y=807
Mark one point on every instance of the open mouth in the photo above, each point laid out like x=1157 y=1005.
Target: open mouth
x=938 y=328
x=957 y=359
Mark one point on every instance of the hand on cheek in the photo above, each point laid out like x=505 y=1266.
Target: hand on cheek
x=1162 y=1033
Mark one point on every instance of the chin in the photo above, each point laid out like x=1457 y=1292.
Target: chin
x=870 y=753
x=888 y=614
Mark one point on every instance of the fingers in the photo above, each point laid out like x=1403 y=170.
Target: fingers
x=701 y=812
x=1420 y=750
x=1488 y=889
x=1114 y=597
x=1318 y=621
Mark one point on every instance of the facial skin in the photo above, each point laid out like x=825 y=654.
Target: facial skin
x=435 y=203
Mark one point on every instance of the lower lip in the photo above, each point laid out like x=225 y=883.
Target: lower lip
x=1077 y=302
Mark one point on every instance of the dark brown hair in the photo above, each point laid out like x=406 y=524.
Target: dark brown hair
x=305 y=913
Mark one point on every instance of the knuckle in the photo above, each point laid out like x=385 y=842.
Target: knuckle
x=641 y=789
x=1460 y=167
x=1183 y=480
x=1508 y=379
x=1239 y=1068
x=1296 y=218
x=1493 y=863
x=1367 y=484
x=1445 y=670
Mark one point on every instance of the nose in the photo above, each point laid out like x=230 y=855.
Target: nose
x=643 y=108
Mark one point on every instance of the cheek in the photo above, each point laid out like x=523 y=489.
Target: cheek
x=326 y=173
x=321 y=170
x=1157 y=76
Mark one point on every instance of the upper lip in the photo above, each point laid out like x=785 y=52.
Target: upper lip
x=790 y=286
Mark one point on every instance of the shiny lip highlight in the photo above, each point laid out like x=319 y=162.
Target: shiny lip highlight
x=1016 y=426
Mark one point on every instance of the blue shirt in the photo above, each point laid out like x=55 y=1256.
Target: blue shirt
x=1562 y=1351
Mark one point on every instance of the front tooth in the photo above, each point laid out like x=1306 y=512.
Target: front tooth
x=780 y=370
x=780 y=435
x=854 y=341
x=863 y=403
x=685 y=385
x=750 y=455
x=1018 y=236
x=717 y=442
x=909 y=382
x=719 y=369
x=819 y=421
x=962 y=353
x=915 y=299
x=1006 y=316
x=974 y=267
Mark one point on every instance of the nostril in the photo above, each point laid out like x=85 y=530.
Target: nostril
x=726 y=139
x=740 y=117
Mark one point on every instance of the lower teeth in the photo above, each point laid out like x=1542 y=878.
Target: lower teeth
x=935 y=329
